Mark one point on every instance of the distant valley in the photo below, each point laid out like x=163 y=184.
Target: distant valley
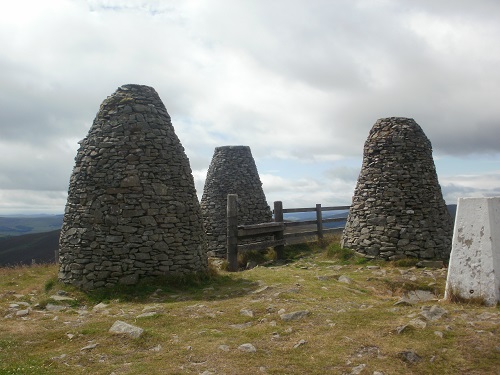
x=28 y=238
x=23 y=250
x=28 y=224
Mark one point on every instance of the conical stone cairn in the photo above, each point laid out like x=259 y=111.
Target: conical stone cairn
x=132 y=209
x=232 y=171
x=398 y=209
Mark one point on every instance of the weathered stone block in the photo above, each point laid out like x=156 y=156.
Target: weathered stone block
x=142 y=256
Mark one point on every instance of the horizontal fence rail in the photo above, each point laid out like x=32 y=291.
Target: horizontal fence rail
x=279 y=230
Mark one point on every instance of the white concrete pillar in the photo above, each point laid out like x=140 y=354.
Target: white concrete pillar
x=474 y=268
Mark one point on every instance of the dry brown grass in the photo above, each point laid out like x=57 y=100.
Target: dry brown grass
x=349 y=324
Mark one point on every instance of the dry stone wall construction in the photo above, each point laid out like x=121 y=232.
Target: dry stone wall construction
x=132 y=209
x=232 y=171
x=398 y=209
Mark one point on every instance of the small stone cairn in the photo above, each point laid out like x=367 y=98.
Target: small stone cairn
x=232 y=171
x=132 y=209
x=398 y=209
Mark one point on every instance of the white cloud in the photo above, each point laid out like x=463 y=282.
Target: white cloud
x=31 y=201
x=36 y=167
x=471 y=185
x=299 y=82
x=307 y=192
x=199 y=177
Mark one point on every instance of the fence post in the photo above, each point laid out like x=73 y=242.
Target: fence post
x=232 y=232
x=319 y=221
x=278 y=218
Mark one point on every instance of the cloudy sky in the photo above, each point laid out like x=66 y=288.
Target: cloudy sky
x=300 y=82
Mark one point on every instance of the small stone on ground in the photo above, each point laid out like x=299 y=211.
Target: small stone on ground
x=433 y=313
x=120 y=327
x=358 y=369
x=249 y=348
x=246 y=312
x=294 y=315
x=300 y=343
x=409 y=356
x=344 y=279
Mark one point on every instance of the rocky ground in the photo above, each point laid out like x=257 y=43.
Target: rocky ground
x=315 y=315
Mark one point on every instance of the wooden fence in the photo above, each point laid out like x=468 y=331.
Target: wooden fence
x=279 y=229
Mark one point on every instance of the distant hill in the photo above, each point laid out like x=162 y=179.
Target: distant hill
x=20 y=225
x=301 y=216
x=18 y=250
x=452 y=209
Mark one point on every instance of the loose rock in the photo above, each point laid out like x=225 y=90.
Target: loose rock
x=416 y=296
x=409 y=356
x=52 y=307
x=241 y=326
x=296 y=315
x=248 y=348
x=147 y=314
x=120 y=327
x=344 y=279
x=22 y=313
x=358 y=369
x=89 y=347
x=300 y=343
x=246 y=312
x=433 y=313
x=100 y=306
x=417 y=323
x=58 y=298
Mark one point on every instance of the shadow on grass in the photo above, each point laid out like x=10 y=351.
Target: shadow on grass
x=213 y=285
x=165 y=289
x=267 y=258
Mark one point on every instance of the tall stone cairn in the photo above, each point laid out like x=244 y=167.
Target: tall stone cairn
x=132 y=209
x=398 y=209
x=232 y=171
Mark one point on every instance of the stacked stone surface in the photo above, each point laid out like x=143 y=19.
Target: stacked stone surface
x=398 y=209
x=232 y=171
x=132 y=209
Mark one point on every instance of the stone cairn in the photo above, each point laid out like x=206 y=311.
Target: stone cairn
x=132 y=209
x=398 y=209
x=232 y=171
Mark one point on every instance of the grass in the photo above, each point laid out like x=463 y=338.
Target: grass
x=199 y=324
x=455 y=297
x=406 y=262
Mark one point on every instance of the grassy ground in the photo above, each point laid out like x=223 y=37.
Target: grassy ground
x=196 y=326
